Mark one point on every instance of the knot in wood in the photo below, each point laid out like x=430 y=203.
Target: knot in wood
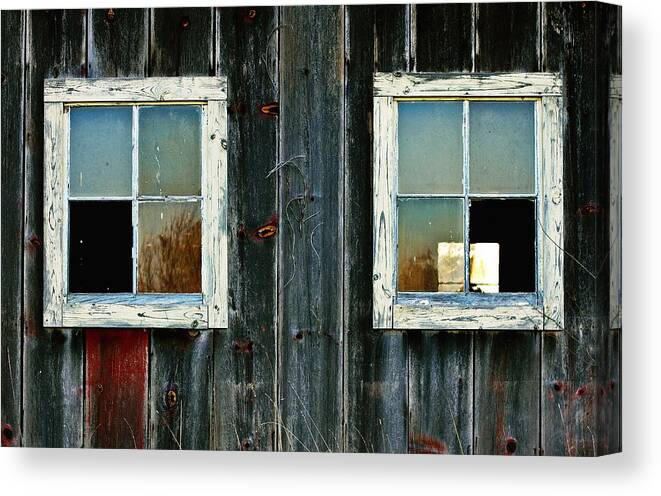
x=7 y=434
x=266 y=231
x=185 y=22
x=110 y=15
x=242 y=345
x=510 y=445
x=271 y=108
x=171 y=398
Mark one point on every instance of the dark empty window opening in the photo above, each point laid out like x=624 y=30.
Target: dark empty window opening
x=100 y=245
x=502 y=237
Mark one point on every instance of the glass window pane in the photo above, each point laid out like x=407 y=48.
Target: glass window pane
x=100 y=151
x=430 y=147
x=170 y=240
x=430 y=245
x=169 y=140
x=502 y=250
x=502 y=147
x=100 y=241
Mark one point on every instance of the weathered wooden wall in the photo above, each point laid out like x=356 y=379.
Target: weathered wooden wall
x=300 y=367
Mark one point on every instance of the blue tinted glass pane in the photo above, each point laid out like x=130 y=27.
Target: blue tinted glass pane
x=170 y=150
x=430 y=147
x=502 y=147
x=430 y=245
x=100 y=151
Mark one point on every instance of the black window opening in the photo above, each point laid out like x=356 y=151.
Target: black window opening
x=509 y=227
x=100 y=247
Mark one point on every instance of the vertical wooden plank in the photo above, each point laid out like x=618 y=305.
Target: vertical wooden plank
x=115 y=388
x=507 y=37
x=392 y=38
x=506 y=393
x=444 y=37
x=181 y=370
x=441 y=393
x=53 y=358
x=13 y=118
x=607 y=46
x=310 y=308
x=116 y=42
x=181 y=42
x=116 y=360
x=577 y=410
x=245 y=353
x=506 y=409
x=441 y=363
x=375 y=360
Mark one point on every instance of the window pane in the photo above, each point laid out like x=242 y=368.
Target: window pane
x=502 y=250
x=430 y=245
x=430 y=147
x=170 y=150
x=502 y=147
x=100 y=241
x=170 y=240
x=100 y=151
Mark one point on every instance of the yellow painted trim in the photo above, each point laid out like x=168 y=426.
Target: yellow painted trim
x=469 y=98
x=132 y=104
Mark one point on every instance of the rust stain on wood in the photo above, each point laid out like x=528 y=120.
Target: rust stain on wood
x=270 y=109
x=265 y=231
x=427 y=445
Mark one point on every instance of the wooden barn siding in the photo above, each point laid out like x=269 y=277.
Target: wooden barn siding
x=300 y=366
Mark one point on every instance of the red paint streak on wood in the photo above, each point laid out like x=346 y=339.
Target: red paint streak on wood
x=8 y=436
x=499 y=424
x=116 y=388
x=427 y=445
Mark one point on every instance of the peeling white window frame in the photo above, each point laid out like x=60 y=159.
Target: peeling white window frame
x=205 y=310
x=543 y=310
x=615 y=160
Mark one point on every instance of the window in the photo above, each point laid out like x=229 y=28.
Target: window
x=468 y=209
x=135 y=203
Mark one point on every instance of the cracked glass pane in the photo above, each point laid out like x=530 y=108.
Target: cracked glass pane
x=169 y=138
x=430 y=147
x=100 y=151
x=170 y=240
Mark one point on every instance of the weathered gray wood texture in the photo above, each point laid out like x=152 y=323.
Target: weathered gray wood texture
x=12 y=101
x=244 y=408
x=181 y=371
x=116 y=404
x=300 y=367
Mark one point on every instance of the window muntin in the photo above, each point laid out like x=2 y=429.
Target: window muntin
x=491 y=169
x=150 y=162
